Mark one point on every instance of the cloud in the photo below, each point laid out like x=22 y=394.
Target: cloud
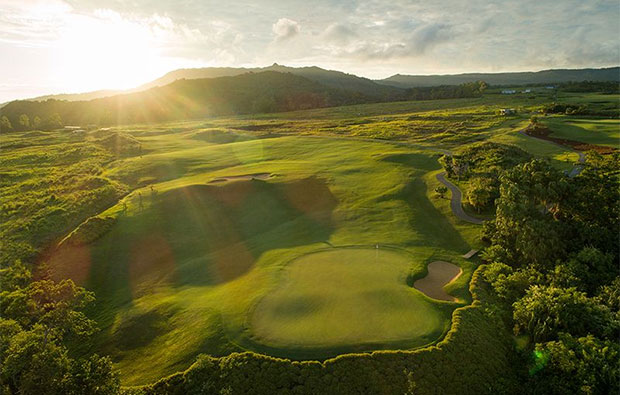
x=285 y=29
x=373 y=38
x=338 y=34
x=397 y=39
x=428 y=36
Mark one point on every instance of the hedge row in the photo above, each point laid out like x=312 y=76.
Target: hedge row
x=474 y=358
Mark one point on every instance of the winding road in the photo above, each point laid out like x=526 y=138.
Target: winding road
x=455 y=202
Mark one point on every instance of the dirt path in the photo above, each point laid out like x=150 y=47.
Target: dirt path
x=440 y=274
x=455 y=202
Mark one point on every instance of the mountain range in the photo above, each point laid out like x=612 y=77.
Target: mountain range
x=199 y=93
x=383 y=88
x=248 y=93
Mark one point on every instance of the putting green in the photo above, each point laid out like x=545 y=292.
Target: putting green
x=347 y=296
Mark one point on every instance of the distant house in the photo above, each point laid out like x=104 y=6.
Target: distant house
x=509 y=92
x=550 y=87
x=526 y=91
x=507 y=111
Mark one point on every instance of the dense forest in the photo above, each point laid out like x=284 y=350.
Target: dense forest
x=553 y=258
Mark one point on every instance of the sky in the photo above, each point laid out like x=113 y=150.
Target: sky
x=68 y=46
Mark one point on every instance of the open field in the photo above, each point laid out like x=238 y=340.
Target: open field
x=206 y=233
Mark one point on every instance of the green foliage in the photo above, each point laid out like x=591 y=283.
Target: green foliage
x=55 y=181
x=441 y=191
x=578 y=365
x=36 y=122
x=481 y=192
x=38 y=320
x=5 y=124
x=545 y=311
x=24 y=122
x=556 y=263
x=608 y=87
x=51 y=122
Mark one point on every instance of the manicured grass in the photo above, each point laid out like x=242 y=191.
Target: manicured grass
x=592 y=131
x=347 y=297
x=560 y=157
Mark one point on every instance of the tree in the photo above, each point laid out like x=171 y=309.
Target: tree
x=36 y=122
x=570 y=365
x=441 y=191
x=5 y=124
x=479 y=193
x=446 y=161
x=587 y=270
x=545 y=311
x=24 y=122
x=39 y=319
x=52 y=122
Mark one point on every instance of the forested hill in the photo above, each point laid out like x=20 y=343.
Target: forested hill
x=540 y=77
x=330 y=78
x=248 y=93
x=187 y=99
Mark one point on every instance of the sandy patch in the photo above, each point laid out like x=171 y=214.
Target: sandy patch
x=439 y=275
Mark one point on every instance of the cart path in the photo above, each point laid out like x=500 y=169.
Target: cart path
x=455 y=202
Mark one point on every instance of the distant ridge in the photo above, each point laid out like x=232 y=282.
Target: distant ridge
x=516 y=78
x=79 y=96
x=329 y=78
x=247 y=93
x=377 y=89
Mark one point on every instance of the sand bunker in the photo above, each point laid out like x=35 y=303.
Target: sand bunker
x=439 y=274
x=255 y=176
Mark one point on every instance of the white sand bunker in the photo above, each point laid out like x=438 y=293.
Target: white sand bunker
x=439 y=275
x=255 y=176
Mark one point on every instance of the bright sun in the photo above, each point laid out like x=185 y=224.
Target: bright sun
x=107 y=52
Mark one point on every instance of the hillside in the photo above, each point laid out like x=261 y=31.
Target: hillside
x=249 y=93
x=520 y=78
x=80 y=96
x=330 y=78
x=392 y=88
x=187 y=99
